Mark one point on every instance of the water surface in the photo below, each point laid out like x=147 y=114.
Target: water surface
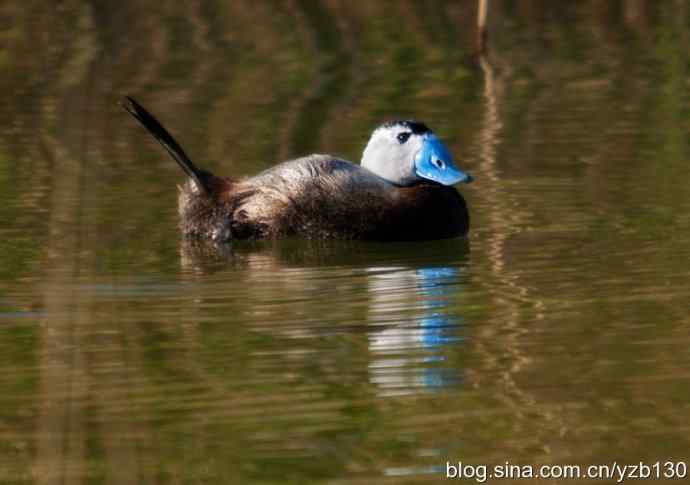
x=556 y=334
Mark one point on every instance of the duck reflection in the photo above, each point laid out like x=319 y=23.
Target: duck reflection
x=410 y=355
x=403 y=299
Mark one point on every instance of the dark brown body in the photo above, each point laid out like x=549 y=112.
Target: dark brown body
x=320 y=197
x=316 y=197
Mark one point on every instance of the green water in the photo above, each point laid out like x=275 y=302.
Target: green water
x=557 y=334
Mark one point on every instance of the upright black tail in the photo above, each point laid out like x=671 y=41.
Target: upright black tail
x=200 y=177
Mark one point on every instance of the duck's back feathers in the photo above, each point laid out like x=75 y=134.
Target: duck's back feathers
x=322 y=197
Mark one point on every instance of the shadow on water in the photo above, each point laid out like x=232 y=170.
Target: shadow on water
x=204 y=257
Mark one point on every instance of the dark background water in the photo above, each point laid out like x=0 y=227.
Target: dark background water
x=558 y=334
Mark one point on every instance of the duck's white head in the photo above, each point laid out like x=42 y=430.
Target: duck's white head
x=408 y=152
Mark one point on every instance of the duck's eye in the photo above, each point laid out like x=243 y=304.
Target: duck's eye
x=438 y=163
x=403 y=137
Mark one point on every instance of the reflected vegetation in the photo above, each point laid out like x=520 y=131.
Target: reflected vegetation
x=556 y=334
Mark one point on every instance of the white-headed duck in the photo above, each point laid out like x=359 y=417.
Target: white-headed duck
x=402 y=190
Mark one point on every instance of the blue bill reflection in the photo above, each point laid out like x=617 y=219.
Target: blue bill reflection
x=410 y=354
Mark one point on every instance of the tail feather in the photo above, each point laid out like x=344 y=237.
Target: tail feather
x=200 y=177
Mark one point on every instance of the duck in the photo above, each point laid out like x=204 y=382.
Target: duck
x=402 y=190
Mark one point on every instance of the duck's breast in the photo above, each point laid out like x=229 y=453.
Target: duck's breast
x=422 y=212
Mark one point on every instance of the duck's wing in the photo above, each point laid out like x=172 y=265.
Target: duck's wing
x=317 y=196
